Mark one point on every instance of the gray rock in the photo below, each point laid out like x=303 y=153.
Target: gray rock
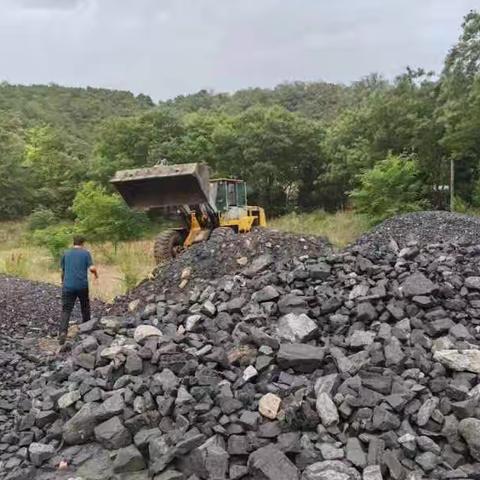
x=327 y=410
x=296 y=328
x=461 y=361
x=473 y=283
x=128 y=459
x=393 y=352
x=69 y=399
x=134 y=364
x=330 y=452
x=112 y=434
x=355 y=453
x=39 y=453
x=266 y=294
x=469 y=429
x=327 y=384
x=426 y=410
x=85 y=360
x=372 y=472
x=300 y=357
x=319 y=271
x=418 y=284
x=164 y=382
x=292 y=304
x=366 y=312
x=270 y=463
x=427 y=460
x=259 y=264
x=384 y=420
x=79 y=429
x=361 y=338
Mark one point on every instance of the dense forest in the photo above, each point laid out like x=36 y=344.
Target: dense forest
x=381 y=146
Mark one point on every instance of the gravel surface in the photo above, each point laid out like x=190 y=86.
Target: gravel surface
x=266 y=357
x=424 y=228
x=351 y=365
x=32 y=308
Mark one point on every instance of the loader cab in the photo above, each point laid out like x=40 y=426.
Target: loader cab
x=227 y=193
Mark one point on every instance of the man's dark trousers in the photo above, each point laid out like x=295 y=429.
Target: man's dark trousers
x=68 y=302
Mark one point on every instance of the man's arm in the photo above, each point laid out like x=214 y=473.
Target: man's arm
x=94 y=271
x=91 y=267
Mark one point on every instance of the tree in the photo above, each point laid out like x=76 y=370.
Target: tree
x=54 y=167
x=15 y=192
x=459 y=103
x=103 y=217
x=277 y=152
x=134 y=142
x=392 y=187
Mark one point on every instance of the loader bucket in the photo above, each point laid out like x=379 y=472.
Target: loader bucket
x=163 y=185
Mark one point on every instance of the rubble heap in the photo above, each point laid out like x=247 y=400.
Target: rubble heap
x=423 y=228
x=351 y=366
x=226 y=253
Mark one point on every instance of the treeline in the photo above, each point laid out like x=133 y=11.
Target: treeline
x=384 y=145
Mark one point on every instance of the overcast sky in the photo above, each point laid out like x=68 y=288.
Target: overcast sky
x=169 y=47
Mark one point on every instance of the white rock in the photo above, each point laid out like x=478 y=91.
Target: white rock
x=208 y=308
x=191 y=322
x=327 y=410
x=133 y=305
x=68 y=399
x=249 y=373
x=40 y=453
x=142 y=332
x=361 y=338
x=460 y=361
x=296 y=328
x=269 y=406
x=358 y=291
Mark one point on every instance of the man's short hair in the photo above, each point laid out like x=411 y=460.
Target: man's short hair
x=78 y=240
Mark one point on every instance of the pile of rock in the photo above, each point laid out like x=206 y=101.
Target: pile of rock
x=227 y=254
x=347 y=366
x=423 y=228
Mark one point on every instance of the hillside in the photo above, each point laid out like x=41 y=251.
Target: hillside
x=76 y=111
x=316 y=100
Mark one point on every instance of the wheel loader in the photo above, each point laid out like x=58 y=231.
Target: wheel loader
x=206 y=206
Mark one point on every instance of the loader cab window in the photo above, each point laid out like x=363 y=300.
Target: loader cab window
x=242 y=194
x=232 y=194
x=221 y=200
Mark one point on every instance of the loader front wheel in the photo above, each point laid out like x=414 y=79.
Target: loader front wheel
x=168 y=245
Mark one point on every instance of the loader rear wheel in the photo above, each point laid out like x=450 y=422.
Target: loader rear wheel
x=168 y=245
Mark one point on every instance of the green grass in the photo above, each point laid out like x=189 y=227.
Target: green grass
x=341 y=228
x=118 y=270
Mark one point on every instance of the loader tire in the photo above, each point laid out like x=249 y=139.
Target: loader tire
x=222 y=233
x=167 y=245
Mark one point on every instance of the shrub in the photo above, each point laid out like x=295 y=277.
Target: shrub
x=41 y=218
x=390 y=188
x=103 y=217
x=55 y=239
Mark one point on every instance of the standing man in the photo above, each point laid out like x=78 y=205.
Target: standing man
x=76 y=263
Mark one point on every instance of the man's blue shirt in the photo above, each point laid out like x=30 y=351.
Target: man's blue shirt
x=75 y=264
